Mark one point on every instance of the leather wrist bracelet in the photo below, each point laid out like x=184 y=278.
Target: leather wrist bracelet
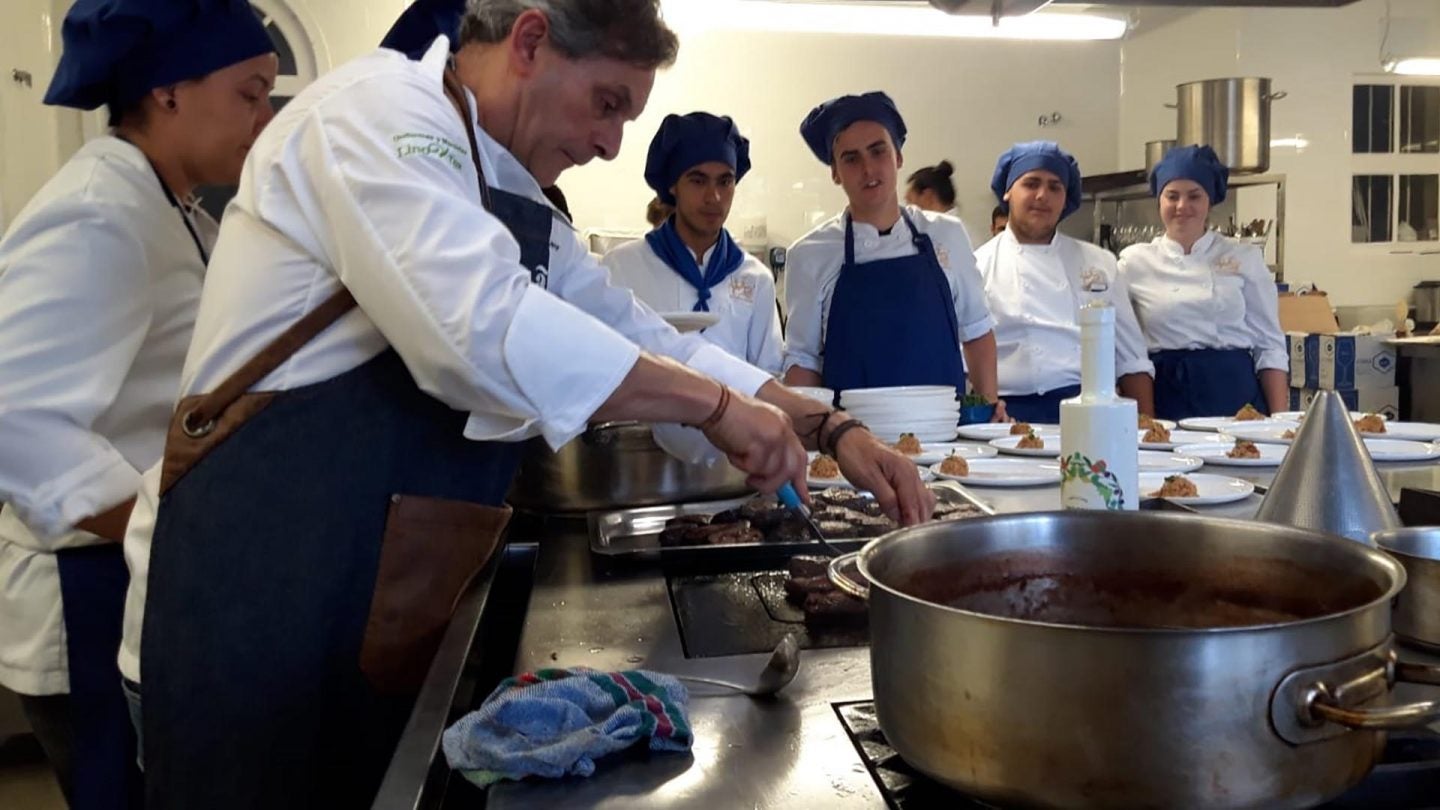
x=840 y=432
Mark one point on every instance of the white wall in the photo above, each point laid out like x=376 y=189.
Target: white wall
x=963 y=100
x=1315 y=55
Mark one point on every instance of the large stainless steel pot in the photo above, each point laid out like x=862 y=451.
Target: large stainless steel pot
x=1085 y=659
x=1427 y=302
x=1417 y=609
x=1232 y=116
x=615 y=465
x=1155 y=151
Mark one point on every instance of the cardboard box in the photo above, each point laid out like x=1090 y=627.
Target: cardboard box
x=1384 y=401
x=1309 y=313
x=1304 y=360
x=1355 y=362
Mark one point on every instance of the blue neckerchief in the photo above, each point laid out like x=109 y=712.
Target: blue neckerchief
x=725 y=257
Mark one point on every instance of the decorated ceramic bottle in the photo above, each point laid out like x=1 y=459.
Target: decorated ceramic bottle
x=1099 y=440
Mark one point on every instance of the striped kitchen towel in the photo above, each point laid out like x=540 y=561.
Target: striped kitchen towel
x=557 y=722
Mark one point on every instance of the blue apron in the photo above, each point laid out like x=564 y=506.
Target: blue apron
x=264 y=564
x=892 y=321
x=93 y=581
x=1205 y=382
x=1043 y=409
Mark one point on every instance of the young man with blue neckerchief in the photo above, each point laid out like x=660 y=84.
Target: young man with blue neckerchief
x=690 y=262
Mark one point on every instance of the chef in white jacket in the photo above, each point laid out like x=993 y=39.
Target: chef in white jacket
x=1206 y=303
x=100 y=278
x=1036 y=279
x=690 y=262
x=392 y=305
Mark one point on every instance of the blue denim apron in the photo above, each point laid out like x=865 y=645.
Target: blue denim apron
x=93 y=581
x=265 y=573
x=1205 y=382
x=892 y=321
x=1043 y=409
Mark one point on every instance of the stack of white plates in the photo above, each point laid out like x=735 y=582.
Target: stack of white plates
x=931 y=412
x=816 y=393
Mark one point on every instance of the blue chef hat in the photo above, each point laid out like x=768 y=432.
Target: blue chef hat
x=116 y=51
x=685 y=141
x=1032 y=156
x=1198 y=163
x=827 y=121
x=421 y=23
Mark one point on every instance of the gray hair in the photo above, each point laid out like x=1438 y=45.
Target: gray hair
x=630 y=31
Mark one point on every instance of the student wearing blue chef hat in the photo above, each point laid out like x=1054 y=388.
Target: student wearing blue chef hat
x=881 y=295
x=100 y=279
x=1035 y=280
x=1207 y=304
x=690 y=262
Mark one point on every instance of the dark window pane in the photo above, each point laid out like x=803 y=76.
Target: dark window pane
x=1419 y=201
x=1370 y=208
x=1419 y=119
x=1372 y=117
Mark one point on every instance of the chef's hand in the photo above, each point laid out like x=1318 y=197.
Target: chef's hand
x=1000 y=414
x=870 y=464
x=760 y=441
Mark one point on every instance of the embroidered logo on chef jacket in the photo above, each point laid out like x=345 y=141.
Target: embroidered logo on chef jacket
x=419 y=144
x=1093 y=279
x=943 y=256
x=541 y=277
x=1227 y=266
x=742 y=289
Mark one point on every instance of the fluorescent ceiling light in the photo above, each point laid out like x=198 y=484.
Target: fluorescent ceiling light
x=1290 y=143
x=1416 y=67
x=883 y=19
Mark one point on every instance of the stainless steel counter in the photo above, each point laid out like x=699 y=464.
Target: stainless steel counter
x=784 y=753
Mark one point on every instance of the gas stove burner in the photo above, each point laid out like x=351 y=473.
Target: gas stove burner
x=1408 y=776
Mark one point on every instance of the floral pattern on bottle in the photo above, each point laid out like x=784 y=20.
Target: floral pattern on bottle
x=1079 y=468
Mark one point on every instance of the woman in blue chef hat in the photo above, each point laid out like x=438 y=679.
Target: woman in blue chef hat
x=1206 y=304
x=100 y=277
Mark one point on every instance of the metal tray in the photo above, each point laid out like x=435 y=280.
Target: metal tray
x=636 y=532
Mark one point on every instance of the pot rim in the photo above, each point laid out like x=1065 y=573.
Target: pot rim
x=1224 y=79
x=1377 y=557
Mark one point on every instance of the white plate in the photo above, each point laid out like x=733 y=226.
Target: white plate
x=824 y=395
x=1006 y=472
x=1296 y=416
x=892 y=435
x=1415 y=431
x=1008 y=445
x=1182 y=437
x=1270 y=454
x=1214 y=423
x=1213 y=488
x=1270 y=432
x=817 y=484
x=691 y=321
x=1157 y=461
x=936 y=453
x=996 y=430
x=892 y=392
x=1400 y=450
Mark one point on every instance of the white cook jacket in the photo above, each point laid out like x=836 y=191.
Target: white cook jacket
x=1035 y=293
x=99 y=283
x=812 y=266
x=749 y=326
x=1220 y=296
x=366 y=178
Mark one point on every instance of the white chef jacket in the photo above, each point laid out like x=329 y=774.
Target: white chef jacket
x=366 y=177
x=1035 y=293
x=812 y=266
x=749 y=326
x=99 y=283
x=1220 y=296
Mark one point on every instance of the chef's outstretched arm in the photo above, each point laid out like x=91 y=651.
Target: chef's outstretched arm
x=980 y=364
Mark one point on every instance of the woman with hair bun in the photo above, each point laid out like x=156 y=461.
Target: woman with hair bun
x=932 y=189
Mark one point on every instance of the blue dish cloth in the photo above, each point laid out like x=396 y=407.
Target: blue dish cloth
x=557 y=722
